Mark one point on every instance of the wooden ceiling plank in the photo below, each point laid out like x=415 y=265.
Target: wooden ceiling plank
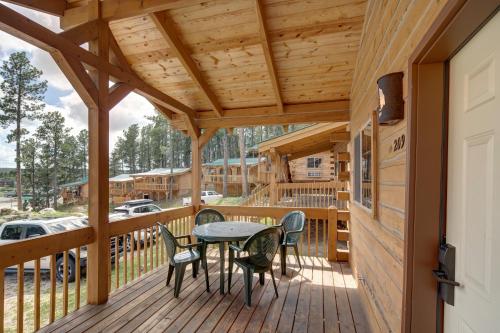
x=53 y=7
x=167 y=29
x=268 y=54
x=36 y=34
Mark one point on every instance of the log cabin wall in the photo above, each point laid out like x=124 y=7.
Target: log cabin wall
x=299 y=169
x=391 y=32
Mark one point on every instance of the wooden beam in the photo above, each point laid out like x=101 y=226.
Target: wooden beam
x=34 y=33
x=167 y=29
x=99 y=251
x=206 y=136
x=268 y=54
x=340 y=137
x=115 y=10
x=163 y=110
x=277 y=119
x=82 y=33
x=192 y=128
x=53 y=7
x=117 y=93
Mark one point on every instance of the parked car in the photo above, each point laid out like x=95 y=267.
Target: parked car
x=134 y=207
x=206 y=197
x=25 y=229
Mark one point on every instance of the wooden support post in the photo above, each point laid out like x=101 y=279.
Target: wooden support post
x=332 y=233
x=196 y=173
x=273 y=195
x=98 y=251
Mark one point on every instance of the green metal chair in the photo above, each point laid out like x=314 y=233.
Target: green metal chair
x=179 y=261
x=261 y=249
x=204 y=216
x=292 y=225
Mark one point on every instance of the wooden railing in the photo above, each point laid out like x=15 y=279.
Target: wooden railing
x=136 y=249
x=42 y=253
x=259 y=197
x=118 y=191
x=154 y=187
x=230 y=179
x=317 y=194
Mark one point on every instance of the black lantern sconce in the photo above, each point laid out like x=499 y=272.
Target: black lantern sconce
x=391 y=104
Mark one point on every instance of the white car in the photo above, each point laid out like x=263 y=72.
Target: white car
x=206 y=197
x=135 y=207
x=24 y=229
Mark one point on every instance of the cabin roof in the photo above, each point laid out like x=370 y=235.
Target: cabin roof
x=304 y=142
x=232 y=161
x=80 y=182
x=162 y=172
x=124 y=177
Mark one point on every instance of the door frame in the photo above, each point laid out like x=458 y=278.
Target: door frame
x=425 y=220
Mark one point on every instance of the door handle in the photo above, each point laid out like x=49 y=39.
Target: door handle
x=441 y=278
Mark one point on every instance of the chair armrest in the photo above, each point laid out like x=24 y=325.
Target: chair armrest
x=184 y=236
x=235 y=248
x=189 y=246
x=286 y=233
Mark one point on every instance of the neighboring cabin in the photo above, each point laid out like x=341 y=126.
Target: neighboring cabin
x=75 y=192
x=213 y=175
x=121 y=188
x=155 y=184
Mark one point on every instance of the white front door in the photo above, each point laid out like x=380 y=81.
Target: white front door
x=473 y=197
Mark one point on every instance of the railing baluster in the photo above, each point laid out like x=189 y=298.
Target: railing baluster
x=157 y=231
x=36 y=295
x=117 y=263
x=65 y=283
x=132 y=255
x=20 y=297
x=125 y=249
x=324 y=238
x=139 y=253
x=52 y=313
x=308 y=237
x=316 y=238
x=151 y=259
x=2 y=298
x=77 y=278
x=145 y=250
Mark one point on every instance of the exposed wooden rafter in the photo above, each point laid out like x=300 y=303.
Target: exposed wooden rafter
x=54 y=7
x=341 y=137
x=268 y=54
x=34 y=33
x=82 y=33
x=206 y=136
x=167 y=29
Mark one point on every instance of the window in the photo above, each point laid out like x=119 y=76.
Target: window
x=34 y=230
x=12 y=232
x=313 y=162
x=313 y=174
x=363 y=166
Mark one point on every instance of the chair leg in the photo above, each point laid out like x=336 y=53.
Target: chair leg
x=230 y=270
x=274 y=282
x=295 y=247
x=283 y=259
x=179 y=276
x=261 y=279
x=204 y=263
x=169 y=275
x=195 y=268
x=248 y=277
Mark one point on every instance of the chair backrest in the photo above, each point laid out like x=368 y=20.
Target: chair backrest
x=262 y=246
x=293 y=221
x=170 y=242
x=208 y=215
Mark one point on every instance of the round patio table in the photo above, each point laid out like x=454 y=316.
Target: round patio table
x=229 y=231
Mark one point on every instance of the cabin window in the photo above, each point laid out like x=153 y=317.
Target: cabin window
x=363 y=166
x=314 y=174
x=313 y=162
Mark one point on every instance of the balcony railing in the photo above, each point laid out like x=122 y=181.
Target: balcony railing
x=230 y=179
x=155 y=187
x=136 y=249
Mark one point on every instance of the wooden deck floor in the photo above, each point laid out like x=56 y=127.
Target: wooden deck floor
x=321 y=297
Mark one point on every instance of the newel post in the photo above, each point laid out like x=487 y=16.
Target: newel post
x=332 y=233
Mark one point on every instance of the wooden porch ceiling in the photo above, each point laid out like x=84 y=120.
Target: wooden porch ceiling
x=237 y=62
x=307 y=141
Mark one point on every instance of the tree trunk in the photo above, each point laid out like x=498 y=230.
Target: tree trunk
x=226 y=163
x=19 y=188
x=244 y=173
x=54 y=177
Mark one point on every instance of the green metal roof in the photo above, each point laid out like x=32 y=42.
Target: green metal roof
x=80 y=182
x=233 y=161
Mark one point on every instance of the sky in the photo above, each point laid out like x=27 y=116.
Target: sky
x=60 y=95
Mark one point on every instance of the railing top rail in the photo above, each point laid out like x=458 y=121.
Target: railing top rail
x=30 y=249
x=274 y=212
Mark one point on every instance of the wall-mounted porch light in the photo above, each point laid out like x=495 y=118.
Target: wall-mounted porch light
x=391 y=104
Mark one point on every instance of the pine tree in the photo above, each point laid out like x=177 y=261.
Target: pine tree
x=23 y=92
x=83 y=147
x=243 y=164
x=29 y=155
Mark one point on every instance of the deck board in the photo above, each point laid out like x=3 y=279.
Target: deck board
x=322 y=297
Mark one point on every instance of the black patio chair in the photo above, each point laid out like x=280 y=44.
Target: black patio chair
x=204 y=216
x=292 y=225
x=179 y=261
x=261 y=249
